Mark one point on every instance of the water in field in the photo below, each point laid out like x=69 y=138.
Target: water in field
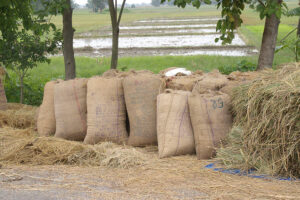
x=150 y=38
x=155 y=41
x=226 y=52
x=201 y=30
x=168 y=26
x=179 y=20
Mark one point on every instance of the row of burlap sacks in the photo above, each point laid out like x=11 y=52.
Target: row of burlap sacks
x=94 y=110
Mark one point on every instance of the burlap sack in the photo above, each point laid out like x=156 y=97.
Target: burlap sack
x=236 y=79
x=46 y=124
x=122 y=74
x=141 y=91
x=212 y=81
x=186 y=83
x=111 y=73
x=106 y=119
x=174 y=130
x=211 y=121
x=70 y=109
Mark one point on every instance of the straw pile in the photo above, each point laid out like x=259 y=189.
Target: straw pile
x=268 y=112
x=22 y=146
x=18 y=116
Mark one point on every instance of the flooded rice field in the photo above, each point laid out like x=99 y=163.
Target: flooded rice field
x=189 y=37
x=168 y=26
x=155 y=41
x=178 y=20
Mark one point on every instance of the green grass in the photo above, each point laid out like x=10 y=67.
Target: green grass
x=88 y=67
x=253 y=34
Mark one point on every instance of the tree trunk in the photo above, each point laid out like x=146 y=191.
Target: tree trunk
x=115 y=48
x=115 y=34
x=268 y=45
x=298 y=29
x=68 y=51
x=21 y=89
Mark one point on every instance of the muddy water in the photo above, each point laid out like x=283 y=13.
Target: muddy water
x=227 y=52
x=168 y=26
x=201 y=30
x=155 y=41
x=179 y=20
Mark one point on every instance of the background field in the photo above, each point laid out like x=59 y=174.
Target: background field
x=85 y=21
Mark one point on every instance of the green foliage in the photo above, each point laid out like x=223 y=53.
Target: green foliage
x=294 y=12
x=290 y=43
x=96 y=5
x=242 y=66
x=33 y=90
x=23 y=45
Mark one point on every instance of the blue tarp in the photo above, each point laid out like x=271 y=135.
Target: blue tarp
x=249 y=173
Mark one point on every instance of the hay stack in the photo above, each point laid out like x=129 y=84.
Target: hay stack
x=268 y=111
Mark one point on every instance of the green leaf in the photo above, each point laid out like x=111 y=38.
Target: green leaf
x=207 y=1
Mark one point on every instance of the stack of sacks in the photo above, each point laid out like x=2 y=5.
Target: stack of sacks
x=140 y=92
x=106 y=111
x=210 y=114
x=174 y=129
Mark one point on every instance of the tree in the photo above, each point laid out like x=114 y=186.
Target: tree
x=74 y=5
x=68 y=34
x=64 y=7
x=25 y=38
x=268 y=45
x=231 y=20
x=115 y=22
x=155 y=3
x=23 y=51
x=96 y=5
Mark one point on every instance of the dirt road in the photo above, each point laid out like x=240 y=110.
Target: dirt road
x=175 y=178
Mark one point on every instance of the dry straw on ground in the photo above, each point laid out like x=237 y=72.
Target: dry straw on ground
x=268 y=112
x=22 y=146
x=18 y=116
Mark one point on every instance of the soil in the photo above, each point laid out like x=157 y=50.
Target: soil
x=171 y=178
